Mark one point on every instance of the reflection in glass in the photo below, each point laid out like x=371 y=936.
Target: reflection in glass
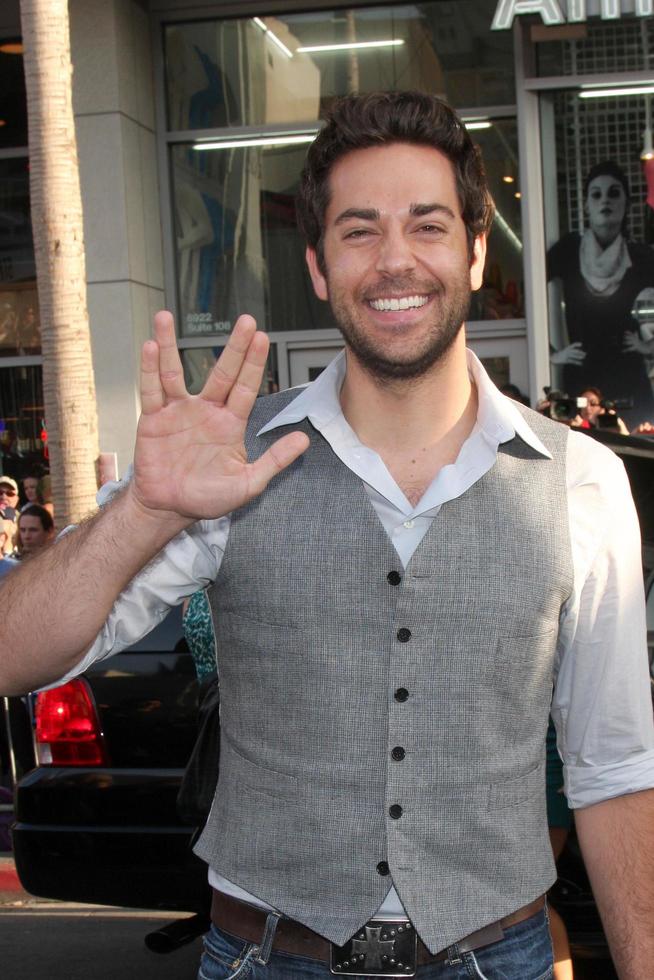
x=16 y=248
x=287 y=68
x=198 y=362
x=239 y=251
x=13 y=101
x=21 y=418
x=502 y=294
x=238 y=248
x=604 y=47
x=19 y=310
x=600 y=263
x=20 y=328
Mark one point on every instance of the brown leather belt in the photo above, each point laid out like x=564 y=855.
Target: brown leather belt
x=248 y=922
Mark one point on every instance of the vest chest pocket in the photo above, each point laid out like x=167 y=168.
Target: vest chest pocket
x=522 y=669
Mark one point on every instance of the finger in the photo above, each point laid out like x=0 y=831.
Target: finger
x=170 y=365
x=280 y=455
x=245 y=389
x=226 y=369
x=152 y=394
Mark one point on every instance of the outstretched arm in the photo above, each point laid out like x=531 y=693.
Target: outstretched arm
x=189 y=463
x=617 y=841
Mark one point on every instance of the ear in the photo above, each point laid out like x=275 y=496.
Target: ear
x=477 y=264
x=317 y=278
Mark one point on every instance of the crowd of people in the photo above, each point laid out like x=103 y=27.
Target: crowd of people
x=26 y=519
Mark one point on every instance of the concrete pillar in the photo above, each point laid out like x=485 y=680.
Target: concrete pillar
x=113 y=97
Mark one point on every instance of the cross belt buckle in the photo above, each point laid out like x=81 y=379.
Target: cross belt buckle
x=381 y=948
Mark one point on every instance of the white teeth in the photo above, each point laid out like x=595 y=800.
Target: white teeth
x=405 y=303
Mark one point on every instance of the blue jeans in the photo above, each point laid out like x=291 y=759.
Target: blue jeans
x=525 y=953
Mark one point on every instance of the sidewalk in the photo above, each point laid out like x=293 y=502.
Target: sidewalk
x=11 y=890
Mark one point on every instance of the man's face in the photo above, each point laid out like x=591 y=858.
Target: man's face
x=398 y=275
x=32 y=533
x=8 y=496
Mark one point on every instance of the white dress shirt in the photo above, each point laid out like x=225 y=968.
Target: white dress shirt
x=601 y=705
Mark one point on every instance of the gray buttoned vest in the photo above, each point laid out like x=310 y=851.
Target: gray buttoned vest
x=326 y=666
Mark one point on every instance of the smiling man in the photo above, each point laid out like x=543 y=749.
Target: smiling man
x=402 y=565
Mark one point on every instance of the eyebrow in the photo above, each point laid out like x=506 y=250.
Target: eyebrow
x=373 y=214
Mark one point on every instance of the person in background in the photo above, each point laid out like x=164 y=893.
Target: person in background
x=8 y=494
x=512 y=391
x=35 y=530
x=198 y=632
x=30 y=490
x=593 y=407
x=602 y=273
x=44 y=493
x=7 y=541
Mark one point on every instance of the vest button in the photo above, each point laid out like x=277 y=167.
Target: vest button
x=383 y=869
x=401 y=694
x=398 y=753
x=393 y=578
x=404 y=635
x=395 y=811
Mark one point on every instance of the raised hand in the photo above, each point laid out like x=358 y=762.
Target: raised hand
x=190 y=459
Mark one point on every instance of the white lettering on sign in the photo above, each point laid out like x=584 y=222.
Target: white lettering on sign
x=553 y=12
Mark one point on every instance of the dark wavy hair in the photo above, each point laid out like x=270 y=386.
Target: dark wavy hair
x=356 y=122
x=36 y=510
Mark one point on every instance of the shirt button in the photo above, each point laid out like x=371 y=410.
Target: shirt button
x=393 y=578
x=404 y=635
x=401 y=694
x=383 y=869
x=395 y=811
x=398 y=753
x=409 y=524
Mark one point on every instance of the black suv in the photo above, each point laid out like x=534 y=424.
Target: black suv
x=98 y=764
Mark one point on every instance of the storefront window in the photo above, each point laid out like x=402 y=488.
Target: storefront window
x=19 y=308
x=13 y=114
x=288 y=67
x=23 y=440
x=599 y=196
x=22 y=427
x=198 y=362
x=598 y=47
x=502 y=294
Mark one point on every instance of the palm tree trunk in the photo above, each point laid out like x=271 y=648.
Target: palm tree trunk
x=68 y=382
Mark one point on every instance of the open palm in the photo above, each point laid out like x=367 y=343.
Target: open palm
x=190 y=457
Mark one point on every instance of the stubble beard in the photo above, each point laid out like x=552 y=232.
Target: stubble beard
x=449 y=314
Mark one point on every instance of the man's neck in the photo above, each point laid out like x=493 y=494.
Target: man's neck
x=417 y=426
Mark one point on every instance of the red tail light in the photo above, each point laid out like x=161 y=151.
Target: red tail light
x=68 y=729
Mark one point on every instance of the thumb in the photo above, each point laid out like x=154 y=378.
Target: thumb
x=280 y=455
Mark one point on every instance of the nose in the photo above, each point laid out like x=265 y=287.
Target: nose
x=395 y=256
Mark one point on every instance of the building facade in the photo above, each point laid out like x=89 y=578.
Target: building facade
x=193 y=121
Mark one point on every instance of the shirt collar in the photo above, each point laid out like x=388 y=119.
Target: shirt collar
x=498 y=418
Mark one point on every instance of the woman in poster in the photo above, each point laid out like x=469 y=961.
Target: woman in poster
x=602 y=274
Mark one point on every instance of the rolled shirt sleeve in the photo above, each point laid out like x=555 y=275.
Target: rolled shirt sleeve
x=602 y=705
x=188 y=563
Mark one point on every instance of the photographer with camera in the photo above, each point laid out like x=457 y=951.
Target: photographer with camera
x=587 y=411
